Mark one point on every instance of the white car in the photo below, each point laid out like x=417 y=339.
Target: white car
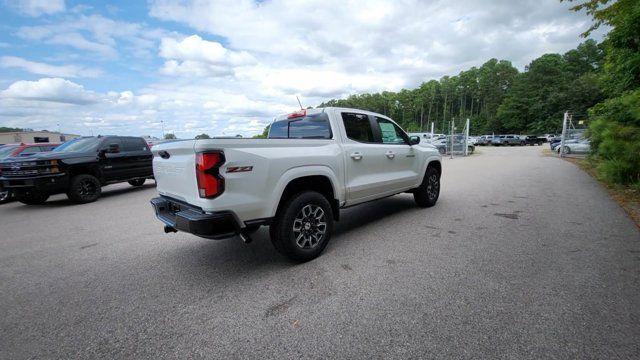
x=576 y=147
x=313 y=163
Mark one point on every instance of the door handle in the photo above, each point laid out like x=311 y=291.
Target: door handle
x=390 y=154
x=356 y=155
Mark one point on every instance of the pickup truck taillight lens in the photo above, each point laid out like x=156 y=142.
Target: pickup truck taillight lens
x=210 y=182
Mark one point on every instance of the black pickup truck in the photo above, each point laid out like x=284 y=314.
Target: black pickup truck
x=79 y=168
x=533 y=140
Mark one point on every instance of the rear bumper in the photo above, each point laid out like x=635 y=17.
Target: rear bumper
x=191 y=219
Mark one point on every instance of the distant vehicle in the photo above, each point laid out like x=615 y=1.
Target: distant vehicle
x=79 y=168
x=472 y=140
x=576 y=147
x=313 y=163
x=485 y=140
x=444 y=145
x=556 y=144
x=510 y=140
x=14 y=150
x=533 y=140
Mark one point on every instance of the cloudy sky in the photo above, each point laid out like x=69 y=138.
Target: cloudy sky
x=227 y=67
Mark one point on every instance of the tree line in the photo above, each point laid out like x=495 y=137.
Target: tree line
x=496 y=97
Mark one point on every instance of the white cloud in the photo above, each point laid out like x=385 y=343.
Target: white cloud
x=195 y=56
x=245 y=60
x=38 y=7
x=55 y=90
x=96 y=34
x=48 y=69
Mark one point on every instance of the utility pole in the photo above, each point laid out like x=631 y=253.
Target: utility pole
x=162 y=124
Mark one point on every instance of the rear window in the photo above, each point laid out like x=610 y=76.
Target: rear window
x=314 y=126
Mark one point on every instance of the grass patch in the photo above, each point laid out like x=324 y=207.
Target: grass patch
x=627 y=196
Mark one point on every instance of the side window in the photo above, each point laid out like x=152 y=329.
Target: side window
x=391 y=133
x=358 y=127
x=134 y=144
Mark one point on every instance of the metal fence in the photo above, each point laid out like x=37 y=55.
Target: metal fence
x=573 y=141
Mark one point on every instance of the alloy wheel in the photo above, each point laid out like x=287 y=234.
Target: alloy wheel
x=433 y=187
x=309 y=226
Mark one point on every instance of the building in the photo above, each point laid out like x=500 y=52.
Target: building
x=34 y=137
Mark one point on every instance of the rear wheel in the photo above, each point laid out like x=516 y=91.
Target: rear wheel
x=303 y=226
x=84 y=189
x=426 y=195
x=137 y=182
x=32 y=197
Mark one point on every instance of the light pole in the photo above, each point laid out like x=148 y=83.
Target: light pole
x=162 y=124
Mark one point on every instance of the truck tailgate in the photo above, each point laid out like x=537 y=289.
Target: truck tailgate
x=174 y=170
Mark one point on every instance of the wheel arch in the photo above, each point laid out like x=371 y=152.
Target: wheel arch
x=321 y=180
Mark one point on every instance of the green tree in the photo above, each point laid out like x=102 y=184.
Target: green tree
x=203 y=136
x=615 y=122
x=264 y=134
x=170 y=136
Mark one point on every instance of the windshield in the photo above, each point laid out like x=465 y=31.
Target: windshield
x=80 y=144
x=5 y=151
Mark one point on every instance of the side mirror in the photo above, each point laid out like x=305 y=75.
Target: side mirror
x=414 y=140
x=113 y=149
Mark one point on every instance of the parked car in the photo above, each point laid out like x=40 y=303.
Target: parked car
x=511 y=140
x=533 y=140
x=313 y=163
x=576 y=147
x=21 y=150
x=15 y=150
x=556 y=142
x=484 y=140
x=79 y=168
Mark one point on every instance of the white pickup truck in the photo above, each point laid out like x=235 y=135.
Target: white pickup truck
x=313 y=163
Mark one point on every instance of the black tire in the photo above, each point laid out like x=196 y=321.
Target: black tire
x=137 y=182
x=6 y=196
x=84 y=189
x=32 y=197
x=442 y=151
x=426 y=195
x=567 y=150
x=470 y=150
x=283 y=232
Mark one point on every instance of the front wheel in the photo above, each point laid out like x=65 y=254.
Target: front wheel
x=32 y=197
x=303 y=226
x=5 y=196
x=84 y=189
x=137 y=182
x=426 y=195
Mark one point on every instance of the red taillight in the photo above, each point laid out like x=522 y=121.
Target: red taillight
x=297 y=114
x=210 y=182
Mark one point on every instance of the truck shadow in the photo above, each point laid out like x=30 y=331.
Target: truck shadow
x=232 y=258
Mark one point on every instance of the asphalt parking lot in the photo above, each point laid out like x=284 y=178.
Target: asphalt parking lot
x=524 y=256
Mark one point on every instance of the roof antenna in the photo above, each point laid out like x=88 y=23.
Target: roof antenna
x=301 y=108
